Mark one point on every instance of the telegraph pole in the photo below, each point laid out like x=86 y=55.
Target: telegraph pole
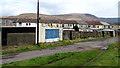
x=37 y=22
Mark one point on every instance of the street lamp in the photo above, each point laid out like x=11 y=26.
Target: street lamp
x=37 y=22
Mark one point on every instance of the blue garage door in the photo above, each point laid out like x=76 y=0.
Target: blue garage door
x=52 y=33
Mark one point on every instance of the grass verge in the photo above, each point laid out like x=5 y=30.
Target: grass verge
x=63 y=59
x=22 y=48
x=109 y=58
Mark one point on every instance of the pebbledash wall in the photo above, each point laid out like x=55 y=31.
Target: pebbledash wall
x=49 y=34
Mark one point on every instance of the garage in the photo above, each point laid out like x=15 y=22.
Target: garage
x=18 y=36
x=52 y=35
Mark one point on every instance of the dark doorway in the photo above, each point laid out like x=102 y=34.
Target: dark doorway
x=18 y=36
x=111 y=33
x=103 y=33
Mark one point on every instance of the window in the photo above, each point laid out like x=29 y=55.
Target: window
x=69 y=24
x=88 y=25
x=43 y=25
x=26 y=23
x=51 y=24
x=97 y=26
x=93 y=26
x=57 y=25
x=104 y=26
x=20 y=23
x=112 y=26
x=62 y=25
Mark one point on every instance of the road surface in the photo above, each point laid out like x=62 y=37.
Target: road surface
x=88 y=45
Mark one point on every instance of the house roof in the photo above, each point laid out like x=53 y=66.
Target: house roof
x=81 y=22
x=46 y=21
x=58 y=21
x=104 y=23
x=93 y=23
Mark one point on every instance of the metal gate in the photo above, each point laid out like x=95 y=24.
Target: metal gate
x=52 y=33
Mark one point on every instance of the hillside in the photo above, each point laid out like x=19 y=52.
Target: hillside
x=72 y=16
x=114 y=20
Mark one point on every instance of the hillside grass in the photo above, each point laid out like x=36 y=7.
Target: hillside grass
x=22 y=48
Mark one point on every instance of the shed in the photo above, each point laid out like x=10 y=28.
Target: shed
x=112 y=32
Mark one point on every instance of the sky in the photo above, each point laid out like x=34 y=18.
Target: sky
x=99 y=8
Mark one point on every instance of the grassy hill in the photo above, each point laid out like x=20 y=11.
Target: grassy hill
x=114 y=20
x=71 y=16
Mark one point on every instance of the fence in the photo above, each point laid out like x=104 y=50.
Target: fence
x=69 y=35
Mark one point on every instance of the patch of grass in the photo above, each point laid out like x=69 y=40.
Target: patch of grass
x=70 y=59
x=109 y=58
x=76 y=60
x=40 y=60
x=12 y=49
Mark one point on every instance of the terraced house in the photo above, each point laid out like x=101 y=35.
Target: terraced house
x=51 y=28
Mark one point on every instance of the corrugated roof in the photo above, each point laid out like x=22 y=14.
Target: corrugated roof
x=104 y=23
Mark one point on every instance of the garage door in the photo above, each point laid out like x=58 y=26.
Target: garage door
x=52 y=33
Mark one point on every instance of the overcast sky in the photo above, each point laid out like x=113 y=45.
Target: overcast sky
x=99 y=8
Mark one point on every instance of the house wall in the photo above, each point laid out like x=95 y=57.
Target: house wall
x=82 y=26
x=26 y=24
x=99 y=26
x=115 y=27
x=106 y=26
x=68 y=25
x=42 y=34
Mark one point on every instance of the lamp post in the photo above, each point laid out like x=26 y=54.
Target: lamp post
x=37 y=22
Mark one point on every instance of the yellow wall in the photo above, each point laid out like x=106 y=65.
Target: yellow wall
x=115 y=27
x=42 y=32
x=100 y=26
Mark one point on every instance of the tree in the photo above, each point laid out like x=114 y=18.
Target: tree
x=76 y=28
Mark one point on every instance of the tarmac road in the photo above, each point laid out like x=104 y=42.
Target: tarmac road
x=88 y=45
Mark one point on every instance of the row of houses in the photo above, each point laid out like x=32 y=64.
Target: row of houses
x=50 y=30
x=16 y=22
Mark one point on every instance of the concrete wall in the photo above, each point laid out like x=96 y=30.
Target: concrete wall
x=67 y=35
x=20 y=38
